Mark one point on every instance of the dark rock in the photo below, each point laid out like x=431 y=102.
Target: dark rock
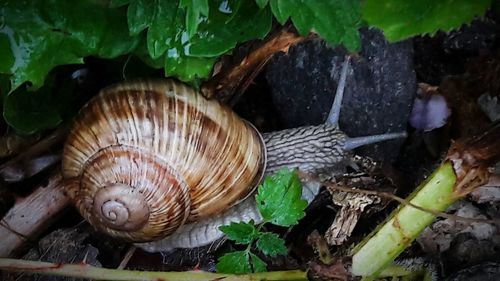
x=488 y=271
x=448 y=53
x=381 y=86
x=466 y=250
x=479 y=34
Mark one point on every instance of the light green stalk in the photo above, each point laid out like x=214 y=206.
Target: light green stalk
x=96 y=273
x=405 y=224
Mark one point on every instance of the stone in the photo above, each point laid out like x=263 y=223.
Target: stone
x=380 y=89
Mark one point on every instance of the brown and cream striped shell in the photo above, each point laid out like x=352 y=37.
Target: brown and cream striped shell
x=145 y=157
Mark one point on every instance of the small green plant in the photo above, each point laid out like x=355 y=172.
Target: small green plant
x=279 y=202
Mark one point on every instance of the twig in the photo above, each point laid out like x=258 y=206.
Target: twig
x=31 y=215
x=91 y=272
x=225 y=84
x=11 y=171
x=391 y=196
x=127 y=257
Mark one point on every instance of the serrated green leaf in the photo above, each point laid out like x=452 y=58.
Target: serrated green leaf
x=400 y=19
x=279 y=198
x=241 y=233
x=335 y=21
x=118 y=3
x=192 y=58
x=271 y=244
x=164 y=27
x=282 y=9
x=223 y=30
x=142 y=52
x=186 y=68
x=258 y=265
x=140 y=14
x=194 y=9
x=261 y=3
x=45 y=34
x=191 y=47
x=240 y=262
x=235 y=262
x=4 y=86
x=57 y=100
x=6 y=55
x=29 y=112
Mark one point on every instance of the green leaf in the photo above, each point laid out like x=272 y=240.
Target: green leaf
x=261 y=3
x=282 y=9
x=4 y=86
x=401 y=19
x=163 y=28
x=240 y=262
x=161 y=18
x=241 y=233
x=279 y=198
x=271 y=244
x=57 y=100
x=235 y=262
x=258 y=265
x=140 y=14
x=194 y=9
x=335 y=21
x=187 y=69
x=29 y=112
x=142 y=52
x=36 y=36
x=223 y=30
x=192 y=57
x=118 y=3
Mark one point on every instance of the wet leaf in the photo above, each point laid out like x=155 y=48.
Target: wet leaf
x=271 y=244
x=36 y=36
x=194 y=10
x=400 y=19
x=279 y=199
x=241 y=233
x=336 y=21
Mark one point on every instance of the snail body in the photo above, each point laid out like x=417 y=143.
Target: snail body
x=156 y=161
x=144 y=158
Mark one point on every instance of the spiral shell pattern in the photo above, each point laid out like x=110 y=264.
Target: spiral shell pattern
x=145 y=157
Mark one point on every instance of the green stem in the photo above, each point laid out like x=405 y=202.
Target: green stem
x=379 y=250
x=96 y=273
x=258 y=228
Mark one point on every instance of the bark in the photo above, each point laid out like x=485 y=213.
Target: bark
x=31 y=215
x=233 y=79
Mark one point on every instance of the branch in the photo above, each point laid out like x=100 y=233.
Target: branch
x=234 y=80
x=96 y=273
x=31 y=215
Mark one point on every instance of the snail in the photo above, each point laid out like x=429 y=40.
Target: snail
x=152 y=160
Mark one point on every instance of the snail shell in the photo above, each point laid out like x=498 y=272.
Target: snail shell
x=144 y=158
